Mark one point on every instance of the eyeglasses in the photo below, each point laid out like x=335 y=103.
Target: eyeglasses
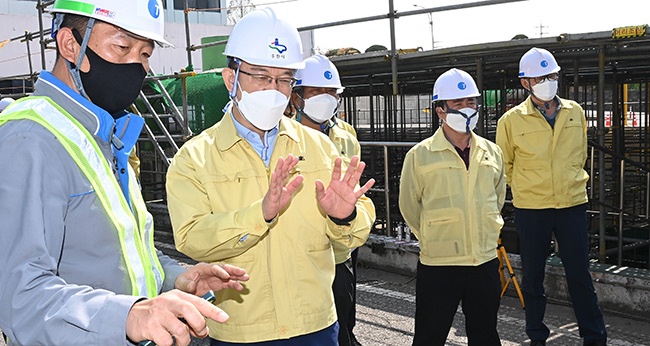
x=541 y=79
x=263 y=80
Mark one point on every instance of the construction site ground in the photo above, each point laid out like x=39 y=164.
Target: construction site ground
x=386 y=308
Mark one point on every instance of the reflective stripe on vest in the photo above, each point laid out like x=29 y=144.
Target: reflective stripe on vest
x=135 y=232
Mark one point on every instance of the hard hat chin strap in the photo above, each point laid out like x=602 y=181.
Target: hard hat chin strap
x=74 y=71
x=233 y=92
x=300 y=112
x=57 y=20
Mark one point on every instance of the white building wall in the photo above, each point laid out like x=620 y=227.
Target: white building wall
x=18 y=16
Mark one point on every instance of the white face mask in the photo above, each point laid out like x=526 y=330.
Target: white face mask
x=545 y=90
x=263 y=109
x=462 y=123
x=320 y=108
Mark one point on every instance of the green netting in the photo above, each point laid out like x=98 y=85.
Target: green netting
x=206 y=97
x=491 y=98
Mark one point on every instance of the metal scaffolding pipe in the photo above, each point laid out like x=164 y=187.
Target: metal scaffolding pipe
x=187 y=34
x=205 y=45
x=42 y=43
x=387 y=192
x=591 y=172
x=479 y=81
x=621 y=214
x=601 y=158
x=393 y=55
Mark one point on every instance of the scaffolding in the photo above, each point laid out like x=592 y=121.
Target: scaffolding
x=606 y=74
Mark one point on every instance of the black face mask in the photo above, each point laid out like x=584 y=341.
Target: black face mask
x=113 y=87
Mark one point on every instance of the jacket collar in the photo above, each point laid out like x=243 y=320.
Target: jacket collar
x=96 y=120
x=530 y=109
x=439 y=142
x=228 y=136
x=337 y=132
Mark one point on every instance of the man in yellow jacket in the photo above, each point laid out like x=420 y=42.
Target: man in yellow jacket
x=544 y=143
x=260 y=190
x=452 y=189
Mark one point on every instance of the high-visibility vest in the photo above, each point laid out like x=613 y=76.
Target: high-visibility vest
x=134 y=228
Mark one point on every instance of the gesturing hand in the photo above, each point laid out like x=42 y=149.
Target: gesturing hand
x=202 y=277
x=279 y=195
x=157 y=319
x=340 y=197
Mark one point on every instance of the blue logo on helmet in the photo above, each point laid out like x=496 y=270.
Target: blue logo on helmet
x=328 y=75
x=277 y=46
x=543 y=64
x=462 y=86
x=154 y=8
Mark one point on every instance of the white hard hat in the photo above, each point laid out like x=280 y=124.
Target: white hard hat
x=454 y=84
x=537 y=62
x=143 y=18
x=319 y=72
x=261 y=38
x=6 y=101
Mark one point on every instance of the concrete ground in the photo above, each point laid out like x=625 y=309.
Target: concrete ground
x=386 y=306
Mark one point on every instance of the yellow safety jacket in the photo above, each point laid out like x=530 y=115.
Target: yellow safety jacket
x=135 y=228
x=544 y=164
x=454 y=212
x=215 y=188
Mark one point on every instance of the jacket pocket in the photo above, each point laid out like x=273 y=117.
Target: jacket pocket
x=531 y=177
x=571 y=141
x=533 y=144
x=314 y=276
x=257 y=293
x=443 y=232
x=234 y=189
x=443 y=179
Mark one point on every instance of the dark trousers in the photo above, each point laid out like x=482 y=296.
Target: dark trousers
x=570 y=228
x=352 y=320
x=439 y=290
x=325 y=337
x=344 y=298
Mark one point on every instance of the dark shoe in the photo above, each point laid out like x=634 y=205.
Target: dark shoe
x=595 y=343
x=538 y=343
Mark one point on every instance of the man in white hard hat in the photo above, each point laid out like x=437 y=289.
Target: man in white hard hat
x=544 y=143
x=260 y=191
x=78 y=264
x=452 y=189
x=314 y=101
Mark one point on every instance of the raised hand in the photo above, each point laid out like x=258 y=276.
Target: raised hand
x=279 y=195
x=339 y=198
